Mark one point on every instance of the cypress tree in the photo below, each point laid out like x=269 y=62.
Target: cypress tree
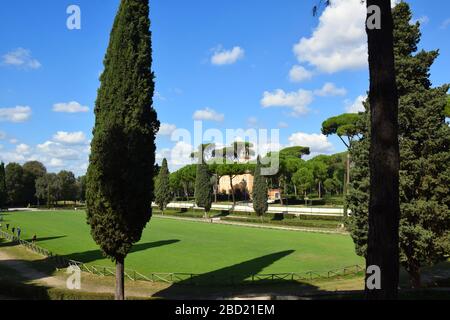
x=120 y=174
x=163 y=191
x=203 y=187
x=3 y=190
x=447 y=108
x=425 y=153
x=260 y=191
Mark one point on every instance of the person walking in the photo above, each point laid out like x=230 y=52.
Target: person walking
x=18 y=232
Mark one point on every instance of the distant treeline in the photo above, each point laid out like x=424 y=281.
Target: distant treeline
x=31 y=184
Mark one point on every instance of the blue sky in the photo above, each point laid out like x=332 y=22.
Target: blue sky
x=233 y=64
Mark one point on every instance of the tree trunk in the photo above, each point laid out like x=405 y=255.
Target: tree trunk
x=384 y=208
x=280 y=183
x=120 y=272
x=348 y=171
x=414 y=275
x=232 y=190
x=320 y=189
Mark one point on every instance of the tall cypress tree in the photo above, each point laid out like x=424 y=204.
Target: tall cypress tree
x=260 y=191
x=163 y=192
x=203 y=187
x=425 y=153
x=3 y=190
x=120 y=175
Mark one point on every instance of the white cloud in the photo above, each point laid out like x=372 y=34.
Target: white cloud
x=208 y=115
x=21 y=58
x=181 y=153
x=330 y=89
x=283 y=125
x=70 y=137
x=159 y=96
x=357 y=105
x=16 y=115
x=340 y=41
x=252 y=122
x=23 y=149
x=318 y=143
x=299 y=73
x=297 y=101
x=56 y=163
x=58 y=150
x=166 y=129
x=70 y=107
x=422 y=20
x=2 y=135
x=9 y=157
x=13 y=141
x=445 y=24
x=224 y=57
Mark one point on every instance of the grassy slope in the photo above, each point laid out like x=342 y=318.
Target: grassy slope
x=179 y=246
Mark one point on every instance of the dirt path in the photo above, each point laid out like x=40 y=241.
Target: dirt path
x=29 y=273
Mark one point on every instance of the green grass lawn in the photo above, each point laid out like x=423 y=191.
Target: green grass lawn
x=193 y=247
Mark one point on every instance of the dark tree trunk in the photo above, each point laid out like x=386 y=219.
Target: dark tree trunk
x=120 y=285
x=384 y=208
x=414 y=275
x=320 y=189
x=348 y=171
x=232 y=191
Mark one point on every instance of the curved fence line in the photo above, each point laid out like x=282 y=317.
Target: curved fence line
x=184 y=278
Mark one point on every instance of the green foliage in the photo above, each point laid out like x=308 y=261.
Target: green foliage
x=48 y=187
x=260 y=191
x=3 y=190
x=163 y=191
x=424 y=148
x=304 y=179
x=183 y=180
x=120 y=175
x=447 y=107
x=81 y=182
x=68 y=186
x=203 y=187
x=345 y=125
x=15 y=184
x=32 y=171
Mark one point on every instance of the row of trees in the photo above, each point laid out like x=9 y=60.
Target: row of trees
x=204 y=185
x=296 y=177
x=31 y=184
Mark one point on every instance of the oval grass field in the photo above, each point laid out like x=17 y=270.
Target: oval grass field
x=192 y=247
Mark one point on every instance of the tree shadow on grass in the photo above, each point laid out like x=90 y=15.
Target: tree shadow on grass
x=14 y=243
x=94 y=255
x=232 y=281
